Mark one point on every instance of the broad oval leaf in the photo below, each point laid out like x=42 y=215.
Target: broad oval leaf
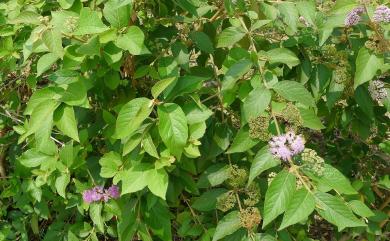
x=173 y=127
x=278 y=195
x=294 y=91
x=300 y=207
x=131 y=116
x=261 y=162
x=227 y=225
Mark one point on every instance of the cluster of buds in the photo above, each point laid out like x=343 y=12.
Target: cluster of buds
x=354 y=16
x=71 y=23
x=382 y=14
x=312 y=162
x=250 y=218
x=377 y=90
x=226 y=201
x=258 y=128
x=303 y=20
x=253 y=195
x=44 y=19
x=287 y=145
x=237 y=177
x=98 y=193
x=292 y=116
x=271 y=177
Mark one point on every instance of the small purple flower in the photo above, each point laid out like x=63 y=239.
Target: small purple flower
x=87 y=196
x=98 y=193
x=353 y=17
x=113 y=191
x=382 y=14
x=287 y=145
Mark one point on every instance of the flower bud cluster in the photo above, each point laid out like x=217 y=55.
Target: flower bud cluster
x=354 y=16
x=271 y=177
x=237 y=177
x=226 y=201
x=377 y=90
x=253 y=195
x=312 y=162
x=98 y=193
x=292 y=116
x=382 y=14
x=250 y=217
x=258 y=128
x=71 y=23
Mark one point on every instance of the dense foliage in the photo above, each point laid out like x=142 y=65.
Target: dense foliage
x=194 y=120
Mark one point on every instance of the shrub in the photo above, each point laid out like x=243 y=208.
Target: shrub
x=194 y=120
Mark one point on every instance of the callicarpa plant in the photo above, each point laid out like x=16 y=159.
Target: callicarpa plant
x=167 y=120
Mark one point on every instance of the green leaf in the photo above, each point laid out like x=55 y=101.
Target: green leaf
x=214 y=175
x=367 y=65
x=187 y=6
x=65 y=120
x=208 y=200
x=161 y=85
x=52 y=38
x=40 y=96
x=45 y=62
x=278 y=195
x=284 y=56
x=110 y=164
x=34 y=158
x=135 y=179
x=235 y=72
x=307 y=9
x=360 y=208
x=132 y=41
x=294 y=91
x=89 y=23
x=117 y=15
x=26 y=17
x=202 y=41
x=149 y=147
x=300 y=207
x=186 y=84
x=76 y=94
x=65 y=4
x=92 y=47
x=131 y=116
x=131 y=143
x=40 y=115
x=242 y=142
x=290 y=16
x=256 y=102
x=127 y=225
x=229 y=224
x=310 y=119
x=335 y=211
x=196 y=113
x=336 y=180
x=158 y=182
x=173 y=127
x=61 y=183
x=364 y=100
x=261 y=162
x=229 y=36
x=95 y=212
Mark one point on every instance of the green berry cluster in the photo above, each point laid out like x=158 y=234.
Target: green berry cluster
x=253 y=195
x=250 y=217
x=226 y=201
x=292 y=116
x=312 y=162
x=238 y=177
x=258 y=128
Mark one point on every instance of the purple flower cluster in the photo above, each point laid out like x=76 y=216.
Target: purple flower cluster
x=287 y=145
x=382 y=14
x=353 y=17
x=98 y=193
